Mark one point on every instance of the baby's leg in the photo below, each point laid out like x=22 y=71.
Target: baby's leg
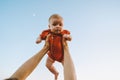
x=49 y=65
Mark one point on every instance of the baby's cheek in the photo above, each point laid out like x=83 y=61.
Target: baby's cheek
x=52 y=29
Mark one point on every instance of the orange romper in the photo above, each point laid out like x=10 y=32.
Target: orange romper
x=55 y=41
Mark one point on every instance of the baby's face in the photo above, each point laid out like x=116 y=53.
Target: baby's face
x=56 y=25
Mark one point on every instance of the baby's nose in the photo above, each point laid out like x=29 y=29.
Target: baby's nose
x=58 y=26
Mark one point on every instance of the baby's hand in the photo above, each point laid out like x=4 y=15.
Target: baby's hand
x=38 y=40
x=67 y=37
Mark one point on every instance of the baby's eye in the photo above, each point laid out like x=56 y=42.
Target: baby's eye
x=60 y=24
x=54 y=24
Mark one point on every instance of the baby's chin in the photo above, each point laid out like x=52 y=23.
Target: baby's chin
x=57 y=31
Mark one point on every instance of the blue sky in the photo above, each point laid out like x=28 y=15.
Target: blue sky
x=94 y=26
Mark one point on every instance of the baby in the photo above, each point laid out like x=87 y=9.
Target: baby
x=57 y=33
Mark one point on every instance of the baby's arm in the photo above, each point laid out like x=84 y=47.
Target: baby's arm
x=38 y=40
x=42 y=36
x=67 y=37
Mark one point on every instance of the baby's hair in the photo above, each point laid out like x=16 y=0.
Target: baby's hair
x=56 y=16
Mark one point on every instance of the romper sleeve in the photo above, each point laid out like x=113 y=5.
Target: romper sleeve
x=44 y=34
x=65 y=32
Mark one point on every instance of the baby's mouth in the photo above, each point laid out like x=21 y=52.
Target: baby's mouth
x=57 y=31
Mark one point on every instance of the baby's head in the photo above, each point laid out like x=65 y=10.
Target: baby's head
x=56 y=23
